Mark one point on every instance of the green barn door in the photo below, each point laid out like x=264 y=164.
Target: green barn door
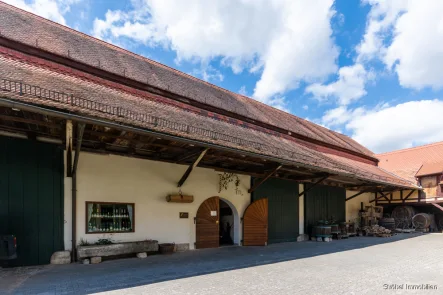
x=282 y=209
x=323 y=203
x=31 y=198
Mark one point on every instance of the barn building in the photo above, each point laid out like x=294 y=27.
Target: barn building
x=422 y=165
x=96 y=141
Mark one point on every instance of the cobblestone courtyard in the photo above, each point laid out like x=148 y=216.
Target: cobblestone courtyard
x=355 y=266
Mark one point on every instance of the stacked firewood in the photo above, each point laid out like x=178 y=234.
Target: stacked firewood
x=376 y=229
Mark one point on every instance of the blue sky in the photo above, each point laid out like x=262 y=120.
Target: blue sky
x=369 y=69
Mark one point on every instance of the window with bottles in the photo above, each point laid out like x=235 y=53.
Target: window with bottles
x=109 y=217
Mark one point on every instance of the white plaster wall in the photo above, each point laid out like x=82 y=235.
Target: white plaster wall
x=146 y=183
x=301 y=211
x=353 y=205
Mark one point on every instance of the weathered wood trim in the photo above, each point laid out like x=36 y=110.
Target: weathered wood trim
x=264 y=179
x=356 y=195
x=312 y=186
x=191 y=167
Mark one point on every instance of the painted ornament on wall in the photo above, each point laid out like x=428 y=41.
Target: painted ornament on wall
x=225 y=179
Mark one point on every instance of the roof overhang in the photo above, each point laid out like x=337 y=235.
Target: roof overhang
x=110 y=137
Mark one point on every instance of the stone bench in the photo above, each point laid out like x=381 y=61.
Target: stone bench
x=117 y=249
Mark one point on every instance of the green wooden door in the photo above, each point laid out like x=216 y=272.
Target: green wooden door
x=282 y=209
x=31 y=198
x=323 y=203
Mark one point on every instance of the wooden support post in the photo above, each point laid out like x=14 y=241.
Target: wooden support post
x=68 y=148
x=191 y=167
x=264 y=179
x=312 y=186
x=80 y=131
x=401 y=196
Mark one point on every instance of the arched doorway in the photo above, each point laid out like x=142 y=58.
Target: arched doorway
x=217 y=223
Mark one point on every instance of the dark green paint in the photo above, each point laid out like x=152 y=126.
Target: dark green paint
x=31 y=198
x=282 y=208
x=323 y=203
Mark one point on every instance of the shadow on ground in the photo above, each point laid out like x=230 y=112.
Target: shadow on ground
x=132 y=272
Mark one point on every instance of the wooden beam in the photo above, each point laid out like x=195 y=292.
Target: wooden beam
x=384 y=196
x=188 y=155
x=80 y=131
x=68 y=148
x=191 y=167
x=30 y=121
x=438 y=206
x=378 y=198
x=408 y=195
x=357 y=194
x=264 y=179
x=312 y=186
x=310 y=177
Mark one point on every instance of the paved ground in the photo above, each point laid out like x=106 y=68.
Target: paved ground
x=356 y=266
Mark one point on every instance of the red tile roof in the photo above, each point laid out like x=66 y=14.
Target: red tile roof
x=34 y=31
x=430 y=169
x=407 y=162
x=95 y=98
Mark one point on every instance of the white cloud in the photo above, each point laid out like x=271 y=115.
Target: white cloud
x=243 y=90
x=339 y=116
x=405 y=125
x=380 y=20
x=290 y=41
x=306 y=107
x=50 y=9
x=407 y=36
x=416 y=52
x=349 y=87
x=208 y=73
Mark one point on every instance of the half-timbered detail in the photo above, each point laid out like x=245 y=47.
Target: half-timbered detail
x=119 y=128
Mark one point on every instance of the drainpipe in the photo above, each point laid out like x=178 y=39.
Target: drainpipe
x=80 y=130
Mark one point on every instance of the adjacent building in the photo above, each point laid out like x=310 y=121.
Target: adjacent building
x=422 y=165
x=98 y=142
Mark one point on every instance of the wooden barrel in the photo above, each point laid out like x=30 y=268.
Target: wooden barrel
x=421 y=221
x=335 y=229
x=322 y=231
x=388 y=223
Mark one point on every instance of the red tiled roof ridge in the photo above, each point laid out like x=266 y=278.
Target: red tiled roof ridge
x=411 y=148
x=95 y=39
x=313 y=127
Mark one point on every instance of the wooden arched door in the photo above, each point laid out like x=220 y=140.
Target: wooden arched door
x=207 y=224
x=255 y=224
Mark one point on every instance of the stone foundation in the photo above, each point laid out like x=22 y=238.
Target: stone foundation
x=181 y=247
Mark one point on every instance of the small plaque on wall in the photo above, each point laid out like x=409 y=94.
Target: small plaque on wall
x=184 y=215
